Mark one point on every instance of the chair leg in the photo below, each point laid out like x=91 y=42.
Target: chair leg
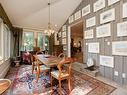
x=32 y=69
x=60 y=87
x=69 y=84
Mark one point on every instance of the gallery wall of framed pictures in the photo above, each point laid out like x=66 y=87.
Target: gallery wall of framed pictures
x=105 y=33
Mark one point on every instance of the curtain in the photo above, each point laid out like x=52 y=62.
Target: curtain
x=17 y=33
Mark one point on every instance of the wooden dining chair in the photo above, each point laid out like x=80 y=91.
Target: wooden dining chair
x=62 y=74
x=61 y=55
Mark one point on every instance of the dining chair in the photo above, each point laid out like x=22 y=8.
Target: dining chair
x=63 y=73
x=61 y=55
x=41 y=69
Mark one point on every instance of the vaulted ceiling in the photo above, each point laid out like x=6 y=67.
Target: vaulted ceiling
x=33 y=14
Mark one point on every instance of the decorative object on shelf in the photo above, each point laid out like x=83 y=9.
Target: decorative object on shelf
x=49 y=31
x=78 y=15
x=119 y=48
x=107 y=61
x=124 y=10
x=98 y=5
x=111 y=2
x=88 y=34
x=91 y=22
x=71 y=19
x=107 y=16
x=93 y=47
x=86 y=10
x=103 y=31
x=122 y=29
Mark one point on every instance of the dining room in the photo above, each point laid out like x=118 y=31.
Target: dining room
x=63 y=47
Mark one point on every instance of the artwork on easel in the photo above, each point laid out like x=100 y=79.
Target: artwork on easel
x=107 y=61
x=90 y=22
x=122 y=29
x=103 y=31
x=98 y=5
x=78 y=15
x=86 y=10
x=107 y=16
x=111 y=2
x=124 y=10
x=119 y=48
x=71 y=19
x=88 y=34
x=93 y=47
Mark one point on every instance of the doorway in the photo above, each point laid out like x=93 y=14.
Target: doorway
x=77 y=41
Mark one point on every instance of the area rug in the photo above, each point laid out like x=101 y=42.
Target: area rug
x=24 y=83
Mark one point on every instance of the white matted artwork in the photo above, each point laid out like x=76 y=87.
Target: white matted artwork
x=64 y=47
x=90 y=22
x=99 y=4
x=56 y=39
x=64 y=28
x=107 y=61
x=63 y=34
x=64 y=41
x=93 y=47
x=88 y=34
x=86 y=10
x=119 y=48
x=71 y=19
x=122 y=29
x=124 y=10
x=78 y=15
x=59 y=34
x=103 y=31
x=107 y=16
x=111 y=2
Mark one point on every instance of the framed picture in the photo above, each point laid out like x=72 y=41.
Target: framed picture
x=63 y=34
x=107 y=61
x=64 y=47
x=103 y=31
x=111 y=2
x=122 y=29
x=90 y=22
x=56 y=39
x=93 y=47
x=99 y=4
x=119 y=48
x=71 y=19
x=59 y=34
x=88 y=34
x=86 y=10
x=107 y=16
x=124 y=10
x=64 y=28
x=64 y=41
x=78 y=15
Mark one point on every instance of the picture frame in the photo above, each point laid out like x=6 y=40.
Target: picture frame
x=119 y=48
x=111 y=2
x=107 y=61
x=64 y=28
x=71 y=19
x=77 y=15
x=122 y=29
x=98 y=5
x=124 y=10
x=64 y=41
x=63 y=34
x=86 y=10
x=56 y=39
x=88 y=34
x=93 y=47
x=103 y=31
x=91 y=22
x=107 y=16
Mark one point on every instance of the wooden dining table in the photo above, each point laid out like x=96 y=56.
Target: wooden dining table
x=48 y=60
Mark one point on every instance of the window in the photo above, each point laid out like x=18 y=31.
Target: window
x=40 y=40
x=28 y=39
x=5 y=38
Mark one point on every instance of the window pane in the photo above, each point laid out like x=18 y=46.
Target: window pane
x=28 y=41
x=40 y=40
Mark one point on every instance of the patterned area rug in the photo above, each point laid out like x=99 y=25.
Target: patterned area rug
x=24 y=83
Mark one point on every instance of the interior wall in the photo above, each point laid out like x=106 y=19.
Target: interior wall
x=119 y=61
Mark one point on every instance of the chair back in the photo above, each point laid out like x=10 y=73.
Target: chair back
x=39 y=52
x=67 y=68
x=61 y=55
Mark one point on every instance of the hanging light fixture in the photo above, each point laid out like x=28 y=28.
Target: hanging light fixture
x=49 y=31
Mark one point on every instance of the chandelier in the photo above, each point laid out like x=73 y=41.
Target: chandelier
x=49 y=30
